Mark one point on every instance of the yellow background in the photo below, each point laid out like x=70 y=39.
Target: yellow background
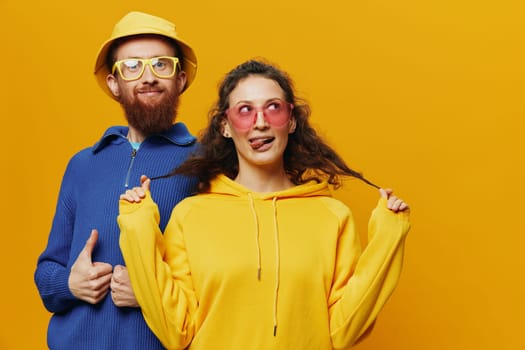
x=426 y=97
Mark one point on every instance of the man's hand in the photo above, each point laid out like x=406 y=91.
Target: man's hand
x=121 y=291
x=89 y=281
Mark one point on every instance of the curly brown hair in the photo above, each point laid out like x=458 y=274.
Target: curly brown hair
x=306 y=157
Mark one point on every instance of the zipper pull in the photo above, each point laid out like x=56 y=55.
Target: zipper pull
x=133 y=154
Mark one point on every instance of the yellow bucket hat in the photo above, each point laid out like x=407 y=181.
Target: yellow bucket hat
x=136 y=23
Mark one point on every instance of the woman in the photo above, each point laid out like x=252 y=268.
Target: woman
x=263 y=257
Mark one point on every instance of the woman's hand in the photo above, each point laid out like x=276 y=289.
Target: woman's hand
x=136 y=194
x=394 y=203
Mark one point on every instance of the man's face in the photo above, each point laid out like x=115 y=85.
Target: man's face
x=150 y=103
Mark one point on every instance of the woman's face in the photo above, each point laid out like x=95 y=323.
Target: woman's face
x=259 y=121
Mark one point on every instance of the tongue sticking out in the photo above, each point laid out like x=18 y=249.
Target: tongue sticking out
x=259 y=142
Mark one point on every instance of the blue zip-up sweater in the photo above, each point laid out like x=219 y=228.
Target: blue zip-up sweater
x=89 y=198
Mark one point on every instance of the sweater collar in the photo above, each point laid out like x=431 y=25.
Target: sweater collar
x=178 y=134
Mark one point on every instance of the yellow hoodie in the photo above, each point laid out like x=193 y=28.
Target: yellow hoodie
x=242 y=270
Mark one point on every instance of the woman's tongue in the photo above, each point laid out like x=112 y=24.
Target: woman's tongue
x=259 y=142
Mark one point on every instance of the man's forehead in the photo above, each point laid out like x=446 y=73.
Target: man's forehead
x=145 y=46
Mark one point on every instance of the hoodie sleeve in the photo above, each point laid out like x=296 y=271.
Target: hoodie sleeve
x=364 y=282
x=159 y=272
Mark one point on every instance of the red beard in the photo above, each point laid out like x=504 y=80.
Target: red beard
x=151 y=119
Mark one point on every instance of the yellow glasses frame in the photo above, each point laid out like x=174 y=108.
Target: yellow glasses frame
x=151 y=62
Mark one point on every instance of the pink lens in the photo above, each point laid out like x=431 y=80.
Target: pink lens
x=276 y=112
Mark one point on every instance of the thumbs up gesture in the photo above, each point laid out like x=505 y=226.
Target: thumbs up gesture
x=89 y=281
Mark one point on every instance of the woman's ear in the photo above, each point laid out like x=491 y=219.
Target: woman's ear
x=225 y=129
x=292 y=124
x=111 y=81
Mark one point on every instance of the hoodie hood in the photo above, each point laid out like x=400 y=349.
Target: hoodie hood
x=223 y=185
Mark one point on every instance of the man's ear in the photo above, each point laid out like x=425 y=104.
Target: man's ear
x=111 y=80
x=181 y=80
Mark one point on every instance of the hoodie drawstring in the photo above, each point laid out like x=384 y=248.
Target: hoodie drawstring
x=277 y=265
x=277 y=254
x=257 y=236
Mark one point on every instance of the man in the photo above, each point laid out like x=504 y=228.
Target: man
x=80 y=275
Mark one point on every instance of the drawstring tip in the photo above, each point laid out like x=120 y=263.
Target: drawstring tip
x=259 y=274
x=274 y=330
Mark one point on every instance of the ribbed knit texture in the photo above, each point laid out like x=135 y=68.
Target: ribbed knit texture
x=89 y=196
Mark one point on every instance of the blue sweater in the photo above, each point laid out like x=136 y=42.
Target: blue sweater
x=89 y=195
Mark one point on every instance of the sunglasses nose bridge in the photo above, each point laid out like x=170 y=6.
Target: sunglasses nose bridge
x=260 y=118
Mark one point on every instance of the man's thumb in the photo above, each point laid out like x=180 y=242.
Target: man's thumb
x=90 y=243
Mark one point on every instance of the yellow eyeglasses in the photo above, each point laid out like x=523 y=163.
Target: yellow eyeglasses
x=133 y=68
